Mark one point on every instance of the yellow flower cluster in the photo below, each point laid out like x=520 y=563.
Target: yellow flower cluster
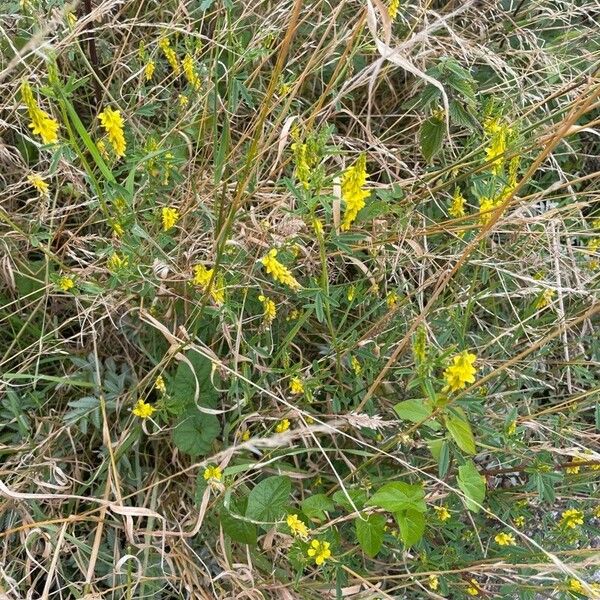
x=545 y=298
x=460 y=372
x=39 y=184
x=353 y=194
x=505 y=539
x=392 y=299
x=393 y=7
x=112 y=122
x=202 y=278
x=160 y=385
x=302 y=163
x=190 y=71
x=320 y=551
x=278 y=271
x=170 y=216
x=143 y=410
x=149 y=70
x=65 y=283
x=473 y=588
x=356 y=366
x=165 y=45
x=443 y=514
x=42 y=123
x=296 y=385
x=433 y=582
x=282 y=426
x=571 y=518
x=212 y=473
x=498 y=134
x=297 y=527
x=269 y=310
x=116 y=263
x=457 y=208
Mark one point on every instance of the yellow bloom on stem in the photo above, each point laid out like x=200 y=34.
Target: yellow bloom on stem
x=433 y=582
x=65 y=283
x=596 y=512
x=269 y=309
x=353 y=194
x=212 y=473
x=42 y=123
x=473 y=588
x=505 y=539
x=296 y=385
x=202 y=278
x=393 y=7
x=392 y=299
x=142 y=409
x=356 y=366
x=571 y=518
x=149 y=70
x=544 y=298
x=297 y=527
x=112 y=122
x=443 y=514
x=457 y=208
x=460 y=372
x=116 y=263
x=160 y=384
x=574 y=468
x=170 y=216
x=498 y=133
x=351 y=293
x=319 y=551
x=282 y=426
x=183 y=100
x=170 y=55
x=39 y=184
x=190 y=72
x=574 y=585
x=486 y=209
x=301 y=163
x=519 y=521
x=102 y=149
x=278 y=271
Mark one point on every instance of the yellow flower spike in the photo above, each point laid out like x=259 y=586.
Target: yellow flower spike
x=39 y=184
x=42 y=123
x=574 y=585
x=545 y=298
x=356 y=366
x=213 y=473
x=519 y=521
x=498 y=134
x=442 y=513
x=282 y=426
x=112 y=122
x=269 y=310
x=460 y=372
x=183 y=100
x=143 y=410
x=433 y=582
x=117 y=263
x=505 y=539
x=473 y=588
x=457 y=208
x=392 y=299
x=571 y=518
x=149 y=70
x=297 y=527
x=246 y=435
x=170 y=55
x=301 y=164
x=278 y=271
x=202 y=278
x=160 y=385
x=170 y=216
x=296 y=385
x=190 y=72
x=320 y=551
x=65 y=283
x=353 y=194
x=393 y=8
x=351 y=293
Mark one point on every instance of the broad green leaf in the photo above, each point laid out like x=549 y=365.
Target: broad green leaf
x=195 y=432
x=183 y=389
x=472 y=484
x=369 y=533
x=460 y=430
x=359 y=497
x=431 y=137
x=412 y=526
x=416 y=410
x=397 y=496
x=315 y=506
x=238 y=529
x=269 y=499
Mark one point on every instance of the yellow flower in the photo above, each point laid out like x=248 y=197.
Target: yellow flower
x=282 y=426
x=574 y=469
x=170 y=216
x=170 y=55
x=545 y=298
x=351 y=293
x=296 y=386
x=190 y=72
x=39 y=184
x=297 y=527
x=574 y=585
x=278 y=271
x=318 y=227
x=102 y=149
x=202 y=278
x=269 y=309
x=117 y=228
x=486 y=209
x=393 y=7
x=160 y=385
x=460 y=372
x=246 y=435
x=112 y=122
x=301 y=163
x=183 y=100
x=319 y=551
x=353 y=194
x=392 y=299
x=356 y=366
x=473 y=588
x=571 y=518
x=596 y=512
x=116 y=263
x=520 y=521
x=71 y=19
x=443 y=514
x=142 y=409
x=498 y=133
x=593 y=245
x=433 y=582
x=457 y=208
x=65 y=283
x=505 y=539
x=42 y=123
x=149 y=70
x=212 y=473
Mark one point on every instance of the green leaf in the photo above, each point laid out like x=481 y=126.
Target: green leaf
x=412 y=526
x=416 y=410
x=359 y=497
x=183 y=389
x=472 y=485
x=269 y=499
x=316 y=506
x=369 y=533
x=195 y=432
x=460 y=430
x=237 y=529
x=397 y=496
x=431 y=137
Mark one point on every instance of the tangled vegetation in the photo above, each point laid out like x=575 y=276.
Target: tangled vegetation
x=299 y=299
